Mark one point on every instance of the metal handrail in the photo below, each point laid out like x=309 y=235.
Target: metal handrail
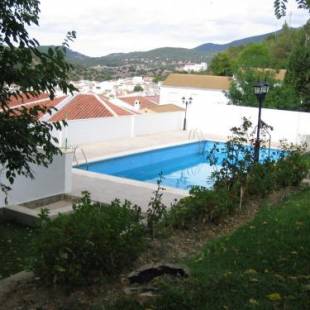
x=199 y=135
x=84 y=155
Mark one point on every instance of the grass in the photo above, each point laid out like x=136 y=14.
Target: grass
x=263 y=265
x=15 y=248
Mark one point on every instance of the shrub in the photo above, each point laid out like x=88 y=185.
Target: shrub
x=261 y=179
x=201 y=206
x=95 y=240
x=291 y=170
x=157 y=210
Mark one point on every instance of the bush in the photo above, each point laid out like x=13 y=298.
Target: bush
x=201 y=206
x=261 y=179
x=291 y=170
x=95 y=240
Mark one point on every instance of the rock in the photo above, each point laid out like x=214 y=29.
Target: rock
x=148 y=272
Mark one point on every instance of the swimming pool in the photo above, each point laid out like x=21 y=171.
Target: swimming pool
x=182 y=166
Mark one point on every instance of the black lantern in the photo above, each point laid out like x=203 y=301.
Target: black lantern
x=260 y=90
x=186 y=102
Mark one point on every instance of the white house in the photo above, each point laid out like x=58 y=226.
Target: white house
x=195 y=67
x=203 y=89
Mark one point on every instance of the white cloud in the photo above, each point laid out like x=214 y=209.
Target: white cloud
x=107 y=26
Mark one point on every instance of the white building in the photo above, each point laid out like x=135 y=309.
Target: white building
x=203 y=89
x=195 y=67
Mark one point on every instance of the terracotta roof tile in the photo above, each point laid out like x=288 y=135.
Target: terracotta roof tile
x=44 y=103
x=23 y=100
x=117 y=109
x=82 y=107
x=145 y=102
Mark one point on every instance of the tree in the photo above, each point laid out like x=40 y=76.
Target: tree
x=281 y=95
x=27 y=72
x=254 y=55
x=221 y=65
x=299 y=67
x=138 y=88
x=280 y=6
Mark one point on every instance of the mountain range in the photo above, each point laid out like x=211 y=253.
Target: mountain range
x=200 y=53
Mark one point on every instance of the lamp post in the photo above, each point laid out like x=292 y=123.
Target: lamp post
x=186 y=102
x=260 y=90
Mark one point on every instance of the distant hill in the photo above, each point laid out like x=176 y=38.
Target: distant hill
x=198 y=54
x=215 y=48
x=72 y=56
x=159 y=54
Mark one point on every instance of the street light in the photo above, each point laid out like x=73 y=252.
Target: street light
x=260 y=90
x=186 y=102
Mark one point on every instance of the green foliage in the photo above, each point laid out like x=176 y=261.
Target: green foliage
x=287 y=49
x=281 y=95
x=221 y=65
x=254 y=55
x=299 y=67
x=15 y=248
x=239 y=173
x=25 y=71
x=156 y=210
x=201 y=206
x=96 y=240
x=138 y=88
x=290 y=170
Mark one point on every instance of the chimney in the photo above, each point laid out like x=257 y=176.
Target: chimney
x=137 y=104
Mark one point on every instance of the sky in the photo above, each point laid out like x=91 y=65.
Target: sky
x=112 y=26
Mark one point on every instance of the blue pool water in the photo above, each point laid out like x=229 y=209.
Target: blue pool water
x=182 y=166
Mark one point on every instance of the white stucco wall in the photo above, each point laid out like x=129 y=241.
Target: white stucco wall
x=157 y=122
x=97 y=130
x=200 y=96
x=53 y=180
x=218 y=119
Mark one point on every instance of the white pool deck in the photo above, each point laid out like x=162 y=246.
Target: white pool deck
x=105 y=188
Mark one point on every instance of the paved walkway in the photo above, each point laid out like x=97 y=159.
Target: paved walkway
x=106 y=188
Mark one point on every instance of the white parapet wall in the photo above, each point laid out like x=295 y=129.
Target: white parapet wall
x=54 y=180
x=96 y=130
x=218 y=119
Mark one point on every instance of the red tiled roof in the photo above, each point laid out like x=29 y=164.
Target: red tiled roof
x=44 y=103
x=117 y=109
x=154 y=99
x=47 y=103
x=145 y=102
x=22 y=100
x=81 y=107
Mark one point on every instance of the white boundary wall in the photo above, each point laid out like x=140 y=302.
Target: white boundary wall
x=169 y=94
x=217 y=119
x=97 y=130
x=53 y=180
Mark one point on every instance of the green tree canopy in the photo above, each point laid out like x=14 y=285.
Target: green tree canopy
x=254 y=55
x=221 y=65
x=25 y=71
x=299 y=67
x=280 y=96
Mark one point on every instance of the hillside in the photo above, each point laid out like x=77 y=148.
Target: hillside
x=171 y=54
x=215 y=48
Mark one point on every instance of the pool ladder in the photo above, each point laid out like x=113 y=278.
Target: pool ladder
x=197 y=134
x=75 y=157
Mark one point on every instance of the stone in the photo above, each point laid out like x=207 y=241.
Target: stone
x=147 y=273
